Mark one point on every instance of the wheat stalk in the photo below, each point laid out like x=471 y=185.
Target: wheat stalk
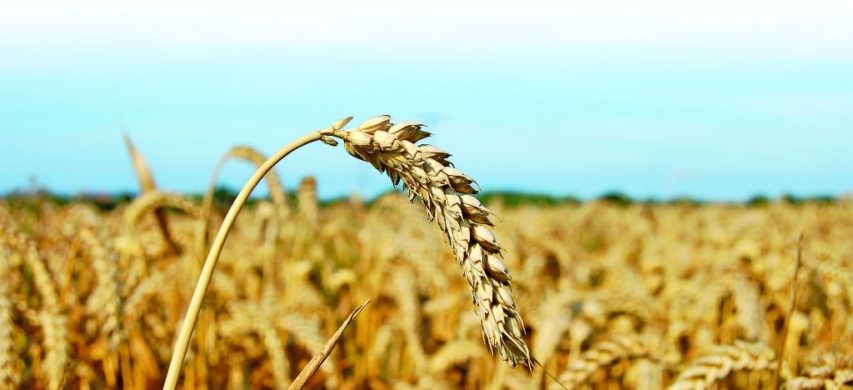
x=256 y=158
x=276 y=192
x=306 y=195
x=448 y=197
x=268 y=237
x=276 y=188
x=186 y=329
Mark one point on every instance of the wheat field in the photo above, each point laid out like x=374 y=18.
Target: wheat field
x=606 y=295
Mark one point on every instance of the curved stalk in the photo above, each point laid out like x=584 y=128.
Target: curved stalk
x=190 y=319
x=251 y=156
x=206 y=206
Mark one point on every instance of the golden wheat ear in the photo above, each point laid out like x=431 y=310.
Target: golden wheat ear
x=721 y=361
x=449 y=198
x=147 y=184
x=599 y=357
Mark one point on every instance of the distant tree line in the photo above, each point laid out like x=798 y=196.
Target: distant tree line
x=224 y=196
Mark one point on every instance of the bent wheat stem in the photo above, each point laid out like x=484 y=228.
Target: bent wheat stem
x=276 y=189
x=191 y=317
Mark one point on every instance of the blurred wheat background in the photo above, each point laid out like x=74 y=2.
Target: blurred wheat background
x=614 y=295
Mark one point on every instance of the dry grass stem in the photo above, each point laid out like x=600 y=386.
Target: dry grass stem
x=320 y=357
x=256 y=158
x=789 y=314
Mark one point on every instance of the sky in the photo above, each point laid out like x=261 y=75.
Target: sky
x=658 y=99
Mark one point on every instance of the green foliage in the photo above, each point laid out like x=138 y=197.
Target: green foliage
x=758 y=201
x=792 y=199
x=617 y=198
x=223 y=196
x=513 y=199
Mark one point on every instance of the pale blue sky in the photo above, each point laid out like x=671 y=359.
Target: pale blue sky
x=704 y=103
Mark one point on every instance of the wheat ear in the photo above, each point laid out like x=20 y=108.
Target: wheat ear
x=601 y=355
x=829 y=371
x=51 y=319
x=448 y=197
x=156 y=200
x=721 y=361
x=147 y=184
x=105 y=301
x=9 y=361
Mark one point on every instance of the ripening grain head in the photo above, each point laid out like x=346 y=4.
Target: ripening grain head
x=448 y=196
